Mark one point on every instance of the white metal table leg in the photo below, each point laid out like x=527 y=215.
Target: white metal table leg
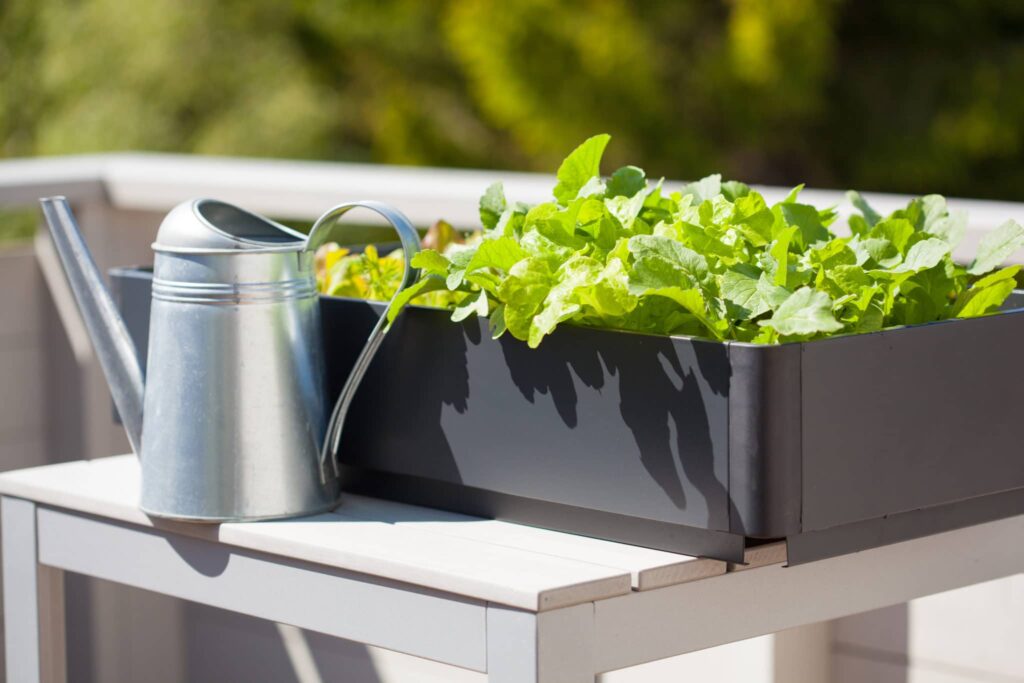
x=549 y=647
x=33 y=601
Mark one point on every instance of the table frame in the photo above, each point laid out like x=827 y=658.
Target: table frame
x=567 y=645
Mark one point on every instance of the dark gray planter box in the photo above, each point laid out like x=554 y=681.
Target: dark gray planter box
x=688 y=445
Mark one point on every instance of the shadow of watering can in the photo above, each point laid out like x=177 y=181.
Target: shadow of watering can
x=231 y=422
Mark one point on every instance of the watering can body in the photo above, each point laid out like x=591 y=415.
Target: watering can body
x=230 y=422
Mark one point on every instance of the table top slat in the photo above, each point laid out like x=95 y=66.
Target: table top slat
x=648 y=568
x=495 y=572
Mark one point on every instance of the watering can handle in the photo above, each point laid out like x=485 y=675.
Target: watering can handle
x=320 y=235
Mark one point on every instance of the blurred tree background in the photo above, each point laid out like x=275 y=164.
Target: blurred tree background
x=898 y=96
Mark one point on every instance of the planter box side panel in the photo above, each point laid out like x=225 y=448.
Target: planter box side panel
x=620 y=423
x=911 y=418
x=902 y=526
x=764 y=440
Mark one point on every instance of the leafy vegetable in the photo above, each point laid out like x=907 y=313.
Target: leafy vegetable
x=369 y=275
x=712 y=260
x=996 y=247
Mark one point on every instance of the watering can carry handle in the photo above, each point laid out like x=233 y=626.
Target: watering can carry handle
x=320 y=235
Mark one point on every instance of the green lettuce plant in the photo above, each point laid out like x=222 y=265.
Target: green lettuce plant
x=710 y=260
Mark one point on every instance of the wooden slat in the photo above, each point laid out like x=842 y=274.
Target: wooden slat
x=421 y=622
x=109 y=488
x=761 y=556
x=644 y=627
x=648 y=568
x=480 y=570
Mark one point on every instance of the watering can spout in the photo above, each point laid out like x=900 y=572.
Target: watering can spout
x=114 y=348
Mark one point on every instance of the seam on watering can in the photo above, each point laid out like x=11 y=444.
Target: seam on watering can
x=249 y=292
x=163 y=249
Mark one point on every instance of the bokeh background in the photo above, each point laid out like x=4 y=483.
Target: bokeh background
x=900 y=96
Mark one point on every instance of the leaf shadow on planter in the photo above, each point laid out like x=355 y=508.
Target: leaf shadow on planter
x=660 y=400
x=420 y=370
x=568 y=422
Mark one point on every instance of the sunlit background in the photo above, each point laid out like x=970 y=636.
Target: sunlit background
x=901 y=96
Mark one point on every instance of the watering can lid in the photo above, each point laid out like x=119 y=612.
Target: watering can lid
x=209 y=224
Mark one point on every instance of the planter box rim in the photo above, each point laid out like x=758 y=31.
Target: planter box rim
x=1018 y=293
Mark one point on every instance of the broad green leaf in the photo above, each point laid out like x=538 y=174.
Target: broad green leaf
x=662 y=262
x=715 y=211
x=859 y=226
x=523 y=293
x=733 y=190
x=609 y=295
x=501 y=253
x=754 y=219
x=626 y=209
x=773 y=294
x=996 y=247
x=876 y=251
x=949 y=228
x=427 y=284
x=558 y=224
x=896 y=230
x=704 y=189
x=870 y=215
x=740 y=286
x=626 y=182
x=594 y=187
x=594 y=220
x=471 y=304
x=987 y=294
x=579 y=167
x=693 y=302
x=849 y=278
x=483 y=279
x=924 y=254
x=779 y=251
x=807 y=220
x=706 y=240
x=492 y=205
x=804 y=313
x=460 y=258
x=793 y=194
x=833 y=254
x=562 y=301
x=933 y=209
x=431 y=262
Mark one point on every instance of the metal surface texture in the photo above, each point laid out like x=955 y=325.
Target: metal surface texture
x=235 y=409
x=234 y=403
x=114 y=347
x=215 y=226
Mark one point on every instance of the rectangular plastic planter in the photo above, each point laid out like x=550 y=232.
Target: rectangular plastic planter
x=683 y=444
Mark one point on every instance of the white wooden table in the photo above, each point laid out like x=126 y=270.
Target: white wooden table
x=523 y=605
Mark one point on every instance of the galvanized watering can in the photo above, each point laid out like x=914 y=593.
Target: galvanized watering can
x=231 y=423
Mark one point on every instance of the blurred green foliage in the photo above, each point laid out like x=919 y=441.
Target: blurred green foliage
x=899 y=96
x=17 y=225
